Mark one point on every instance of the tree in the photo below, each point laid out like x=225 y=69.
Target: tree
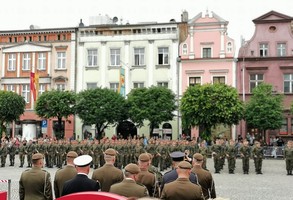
x=264 y=110
x=210 y=105
x=56 y=103
x=12 y=106
x=155 y=104
x=101 y=107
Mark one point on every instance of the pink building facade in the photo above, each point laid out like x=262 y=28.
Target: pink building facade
x=207 y=56
x=268 y=57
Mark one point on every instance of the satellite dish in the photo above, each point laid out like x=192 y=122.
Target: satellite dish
x=115 y=19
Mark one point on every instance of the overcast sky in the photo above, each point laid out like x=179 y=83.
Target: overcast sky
x=20 y=14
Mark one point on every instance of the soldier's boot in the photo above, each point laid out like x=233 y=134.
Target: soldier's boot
x=2 y=165
x=288 y=172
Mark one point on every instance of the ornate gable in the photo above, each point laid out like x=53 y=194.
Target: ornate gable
x=26 y=47
x=272 y=17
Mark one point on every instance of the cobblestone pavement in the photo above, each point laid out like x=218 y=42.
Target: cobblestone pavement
x=274 y=184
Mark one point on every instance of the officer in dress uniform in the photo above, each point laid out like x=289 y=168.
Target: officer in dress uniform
x=205 y=178
x=35 y=183
x=128 y=187
x=65 y=174
x=108 y=174
x=182 y=188
x=172 y=175
x=81 y=182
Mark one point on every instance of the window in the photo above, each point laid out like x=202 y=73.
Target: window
x=163 y=56
x=139 y=56
x=25 y=93
x=284 y=127
x=11 y=62
x=114 y=86
x=60 y=86
x=138 y=85
x=91 y=86
x=255 y=80
x=288 y=83
x=115 y=57
x=206 y=52
x=194 y=81
x=61 y=58
x=92 y=57
x=184 y=49
x=281 y=49
x=263 y=50
x=42 y=89
x=229 y=47
x=163 y=84
x=26 y=62
x=11 y=88
x=219 y=79
x=41 y=61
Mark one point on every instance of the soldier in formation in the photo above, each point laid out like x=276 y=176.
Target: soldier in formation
x=245 y=153
x=257 y=155
x=288 y=155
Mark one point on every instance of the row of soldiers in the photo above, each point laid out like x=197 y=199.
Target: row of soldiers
x=128 y=151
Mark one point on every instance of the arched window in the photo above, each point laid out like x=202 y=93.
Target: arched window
x=184 y=49
x=229 y=47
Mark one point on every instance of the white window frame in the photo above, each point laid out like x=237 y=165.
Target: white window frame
x=163 y=55
x=42 y=89
x=61 y=60
x=163 y=84
x=26 y=92
x=92 y=58
x=219 y=77
x=138 y=85
x=202 y=52
x=61 y=86
x=184 y=49
x=229 y=47
x=12 y=62
x=114 y=86
x=290 y=81
x=115 y=57
x=281 y=49
x=26 y=61
x=139 y=56
x=195 y=80
x=91 y=85
x=257 y=81
x=263 y=49
x=42 y=61
x=10 y=87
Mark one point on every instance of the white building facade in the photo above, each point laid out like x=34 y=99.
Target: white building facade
x=147 y=52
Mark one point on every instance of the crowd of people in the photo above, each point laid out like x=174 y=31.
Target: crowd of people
x=133 y=161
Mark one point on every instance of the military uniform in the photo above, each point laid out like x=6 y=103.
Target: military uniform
x=21 y=153
x=257 y=154
x=107 y=175
x=3 y=154
x=231 y=155
x=35 y=183
x=128 y=187
x=205 y=178
x=216 y=152
x=288 y=155
x=182 y=188
x=12 y=152
x=63 y=175
x=97 y=154
x=245 y=154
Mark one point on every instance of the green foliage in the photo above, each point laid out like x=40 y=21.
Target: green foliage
x=210 y=105
x=155 y=104
x=102 y=107
x=264 y=110
x=12 y=106
x=56 y=103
